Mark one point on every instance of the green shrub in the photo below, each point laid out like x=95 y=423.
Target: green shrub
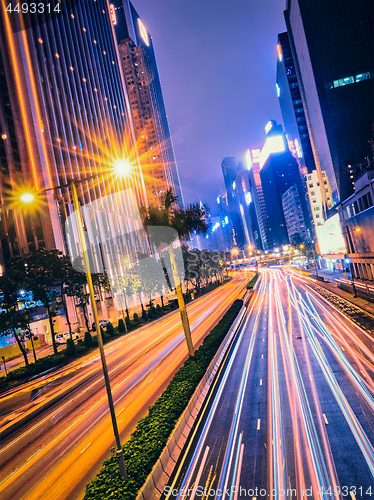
x=88 y=340
x=103 y=336
x=159 y=311
x=110 y=330
x=151 y=434
x=144 y=315
x=128 y=323
x=136 y=318
x=121 y=326
x=251 y=284
x=71 y=348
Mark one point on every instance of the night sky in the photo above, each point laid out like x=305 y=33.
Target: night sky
x=217 y=64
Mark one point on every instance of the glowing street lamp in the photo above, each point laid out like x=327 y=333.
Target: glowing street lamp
x=122 y=168
x=27 y=198
x=357 y=230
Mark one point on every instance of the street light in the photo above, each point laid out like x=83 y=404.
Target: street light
x=119 y=169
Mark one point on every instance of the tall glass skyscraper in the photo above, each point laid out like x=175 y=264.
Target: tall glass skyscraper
x=146 y=101
x=332 y=44
x=64 y=114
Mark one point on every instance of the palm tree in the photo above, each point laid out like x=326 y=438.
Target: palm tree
x=184 y=221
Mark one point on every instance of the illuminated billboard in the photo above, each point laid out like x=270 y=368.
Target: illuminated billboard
x=330 y=237
x=273 y=144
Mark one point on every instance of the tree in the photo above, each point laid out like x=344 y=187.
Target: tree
x=40 y=271
x=184 y=221
x=12 y=319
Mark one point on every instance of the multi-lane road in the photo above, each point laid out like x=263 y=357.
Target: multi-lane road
x=291 y=412
x=56 y=430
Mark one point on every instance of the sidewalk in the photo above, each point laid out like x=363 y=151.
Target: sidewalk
x=19 y=362
x=358 y=301
x=328 y=275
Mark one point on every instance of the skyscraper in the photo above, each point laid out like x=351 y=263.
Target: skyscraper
x=278 y=172
x=146 y=102
x=247 y=210
x=333 y=50
x=230 y=170
x=226 y=222
x=63 y=114
x=291 y=105
x=293 y=214
x=253 y=165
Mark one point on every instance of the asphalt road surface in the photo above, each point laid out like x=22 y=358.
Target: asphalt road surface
x=64 y=429
x=291 y=412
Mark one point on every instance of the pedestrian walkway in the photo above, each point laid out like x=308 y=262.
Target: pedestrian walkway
x=329 y=275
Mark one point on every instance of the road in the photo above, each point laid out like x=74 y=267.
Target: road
x=60 y=450
x=291 y=412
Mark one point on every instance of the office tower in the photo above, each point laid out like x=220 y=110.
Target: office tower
x=333 y=51
x=291 y=105
x=278 y=172
x=253 y=166
x=247 y=210
x=293 y=214
x=230 y=170
x=315 y=190
x=226 y=222
x=146 y=102
x=63 y=115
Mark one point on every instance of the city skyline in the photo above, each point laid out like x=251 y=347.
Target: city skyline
x=224 y=119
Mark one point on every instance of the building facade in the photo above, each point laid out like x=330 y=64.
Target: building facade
x=293 y=214
x=291 y=105
x=146 y=102
x=333 y=50
x=356 y=215
x=226 y=222
x=64 y=115
x=315 y=190
x=230 y=170
x=253 y=165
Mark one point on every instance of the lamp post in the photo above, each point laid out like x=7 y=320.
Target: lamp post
x=121 y=167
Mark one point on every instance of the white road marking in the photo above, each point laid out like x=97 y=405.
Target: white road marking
x=326 y=421
x=258 y=424
x=85 y=447
x=260 y=381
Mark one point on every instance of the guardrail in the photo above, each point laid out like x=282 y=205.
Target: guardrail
x=364 y=290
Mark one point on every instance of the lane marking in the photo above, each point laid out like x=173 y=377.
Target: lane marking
x=353 y=495
x=85 y=448
x=198 y=477
x=258 y=424
x=260 y=381
x=325 y=419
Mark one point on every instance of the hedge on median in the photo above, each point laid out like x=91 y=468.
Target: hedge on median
x=252 y=283
x=148 y=440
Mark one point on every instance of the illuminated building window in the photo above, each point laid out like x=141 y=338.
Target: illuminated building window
x=58 y=57
x=113 y=62
x=72 y=16
x=95 y=42
x=84 y=80
x=40 y=40
x=106 y=98
x=103 y=11
x=95 y=90
x=71 y=67
x=84 y=29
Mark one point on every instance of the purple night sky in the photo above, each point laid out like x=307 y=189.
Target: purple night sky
x=217 y=64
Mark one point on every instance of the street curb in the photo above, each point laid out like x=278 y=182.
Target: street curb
x=162 y=470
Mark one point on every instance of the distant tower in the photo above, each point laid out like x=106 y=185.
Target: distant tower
x=230 y=170
x=146 y=102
